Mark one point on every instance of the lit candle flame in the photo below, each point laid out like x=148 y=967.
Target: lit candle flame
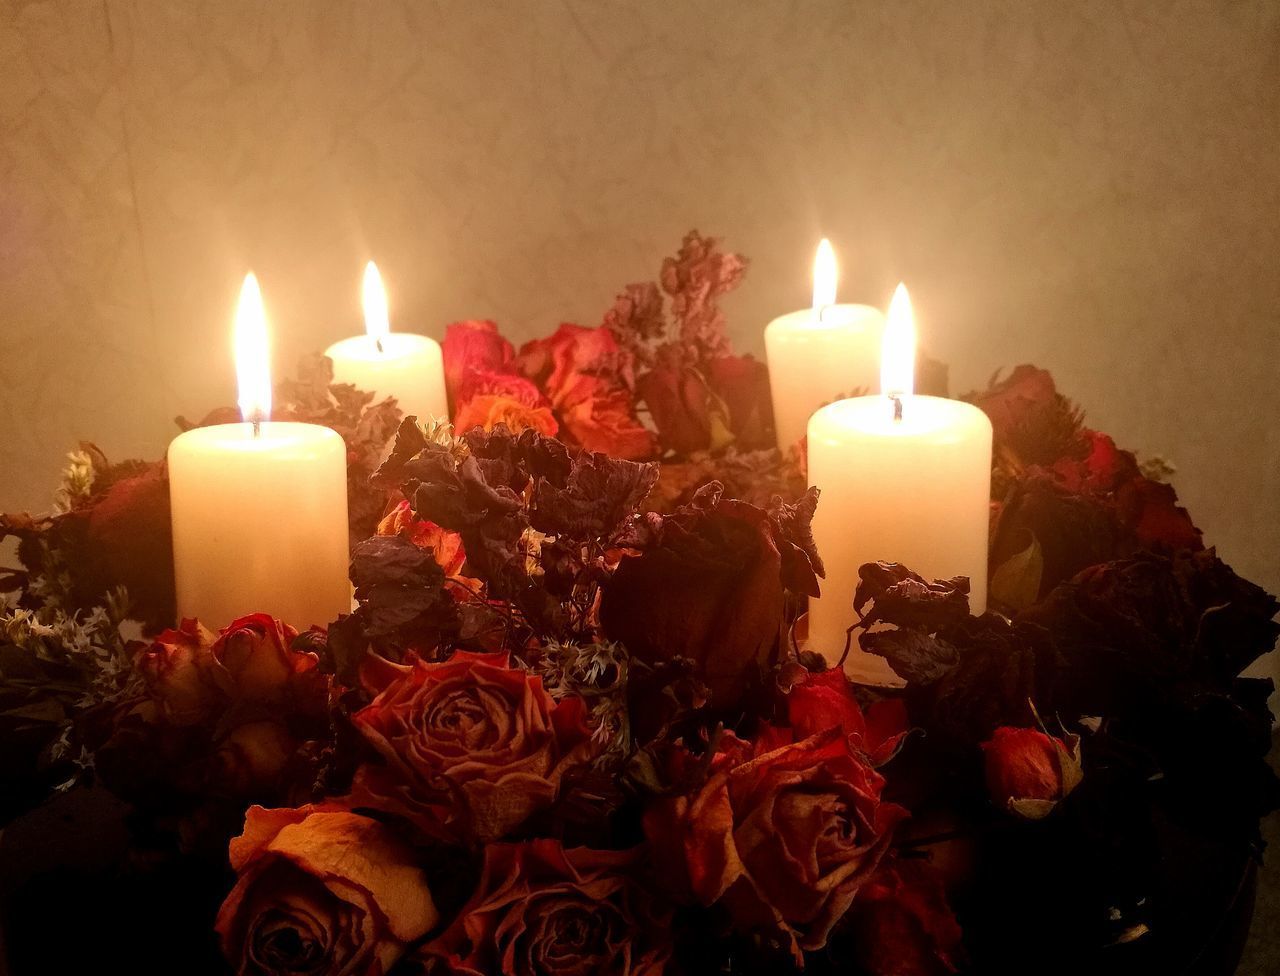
x=376 y=322
x=898 y=347
x=824 y=276
x=253 y=354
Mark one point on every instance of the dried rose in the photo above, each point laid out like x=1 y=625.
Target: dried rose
x=711 y=590
x=587 y=378
x=540 y=910
x=446 y=546
x=741 y=383
x=175 y=668
x=321 y=891
x=487 y=410
x=252 y=661
x=822 y=701
x=1029 y=772
x=901 y=925
x=472 y=746
x=784 y=840
x=605 y=422
x=123 y=538
x=681 y=406
x=252 y=756
x=473 y=346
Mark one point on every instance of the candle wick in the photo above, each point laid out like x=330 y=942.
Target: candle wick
x=822 y=311
x=378 y=342
x=257 y=426
x=897 y=406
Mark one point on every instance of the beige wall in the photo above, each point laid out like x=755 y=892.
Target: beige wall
x=1091 y=186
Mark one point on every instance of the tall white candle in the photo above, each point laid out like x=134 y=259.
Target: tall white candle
x=259 y=508
x=911 y=486
x=821 y=353
x=406 y=366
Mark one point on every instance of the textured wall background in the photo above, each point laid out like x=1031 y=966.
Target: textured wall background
x=1091 y=186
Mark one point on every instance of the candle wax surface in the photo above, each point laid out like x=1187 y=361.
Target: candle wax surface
x=813 y=362
x=915 y=491
x=409 y=367
x=260 y=523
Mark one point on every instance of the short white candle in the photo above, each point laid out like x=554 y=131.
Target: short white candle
x=259 y=508
x=403 y=365
x=821 y=353
x=913 y=489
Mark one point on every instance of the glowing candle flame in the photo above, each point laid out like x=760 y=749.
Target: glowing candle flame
x=253 y=354
x=898 y=347
x=376 y=322
x=824 y=276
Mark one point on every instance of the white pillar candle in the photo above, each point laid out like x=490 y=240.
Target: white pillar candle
x=821 y=353
x=259 y=508
x=403 y=365
x=910 y=486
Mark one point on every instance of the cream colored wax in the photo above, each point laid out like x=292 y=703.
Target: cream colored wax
x=821 y=354
x=259 y=509
x=817 y=356
x=260 y=523
x=909 y=485
x=398 y=364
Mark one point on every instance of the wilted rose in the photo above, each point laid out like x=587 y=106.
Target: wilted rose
x=321 y=891
x=679 y=401
x=822 y=701
x=124 y=538
x=252 y=661
x=472 y=746
x=901 y=925
x=784 y=840
x=473 y=346
x=446 y=546
x=252 y=756
x=587 y=377
x=541 y=910
x=711 y=590
x=487 y=410
x=176 y=669
x=1029 y=772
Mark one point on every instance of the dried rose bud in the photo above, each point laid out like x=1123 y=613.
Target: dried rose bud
x=1028 y=772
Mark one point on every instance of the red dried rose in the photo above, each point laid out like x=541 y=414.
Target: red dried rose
x=540 y=909
x=1009 y=402
x=822 y=701
x=901 y=925
x=473 y=346
x=680 y=404
x=321 y=891
x=741 y=383
x=487 y=410
x=587 y=377
x=176 y=669
x=252 y=661
x=472 y=746
x=711 y=590
x=784 y=840
x=446 y=546
x=123 y=537
x=1028 y=772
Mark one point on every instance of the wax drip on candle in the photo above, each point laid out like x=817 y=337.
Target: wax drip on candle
x=898 y=351
x=252 y=355
x=376 y=321
x=824 y=278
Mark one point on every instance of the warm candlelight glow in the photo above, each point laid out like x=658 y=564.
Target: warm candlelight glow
x=376 y=322
x=898 y=348
x=824 y=276
x=252 y=351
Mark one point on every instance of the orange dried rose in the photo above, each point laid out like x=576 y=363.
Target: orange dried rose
x=487 y=410
x=321 y=891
